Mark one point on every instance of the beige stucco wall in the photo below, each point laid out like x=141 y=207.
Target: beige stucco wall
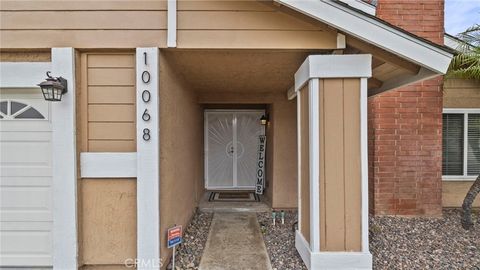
x=459 y=93
x=453 y=193
x=181 y=151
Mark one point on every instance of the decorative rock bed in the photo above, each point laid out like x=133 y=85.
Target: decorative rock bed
x=424 y=243
x=395 y=243
x=280 y=241
x=195 y=236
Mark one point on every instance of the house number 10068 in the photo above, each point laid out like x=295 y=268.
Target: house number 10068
x=146 y=96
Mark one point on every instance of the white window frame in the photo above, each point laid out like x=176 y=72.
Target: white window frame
x=465 y=112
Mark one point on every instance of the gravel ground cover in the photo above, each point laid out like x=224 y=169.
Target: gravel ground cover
x=395 y=243
x=424 y=243
x=280 y=241
x=195 y=236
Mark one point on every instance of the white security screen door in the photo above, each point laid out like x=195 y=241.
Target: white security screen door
x=231 y=145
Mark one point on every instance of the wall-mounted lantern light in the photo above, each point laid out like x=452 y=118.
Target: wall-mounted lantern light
x=53 y=87
x=264 y=120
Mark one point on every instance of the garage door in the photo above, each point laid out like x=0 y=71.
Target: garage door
x=25 y=179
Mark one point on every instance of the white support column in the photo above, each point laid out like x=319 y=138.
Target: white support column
x=148 y=161
x=65 y=247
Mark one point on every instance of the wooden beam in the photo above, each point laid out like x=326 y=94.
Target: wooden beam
x=374 y=83
x=383 y=55
x=291 y=94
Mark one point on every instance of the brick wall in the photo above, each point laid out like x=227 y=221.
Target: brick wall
x=405 y=125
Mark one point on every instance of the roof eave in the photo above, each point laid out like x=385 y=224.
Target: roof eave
x=374 y=31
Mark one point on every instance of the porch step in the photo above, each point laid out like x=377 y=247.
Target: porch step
x=237 y=207
x=235 y=243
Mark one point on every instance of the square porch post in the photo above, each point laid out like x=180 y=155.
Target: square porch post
x=332 y=154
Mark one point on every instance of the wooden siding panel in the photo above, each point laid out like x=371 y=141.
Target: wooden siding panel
x=334 y=164
x=104 y=94
x=232 y=5
x=248 y=25
x=340 y=168
x=352 y=165
x=258 y=39
x=35 y=5
x=71 y=20
x=111 y=131
x=86 y=39
x=112 y=146
x=305 y=160
x=111 y=76
x=106 y=60
x=130 y=24
x=109 y=112
x=195 y=20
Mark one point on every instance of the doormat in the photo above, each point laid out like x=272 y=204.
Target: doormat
x=225 y=196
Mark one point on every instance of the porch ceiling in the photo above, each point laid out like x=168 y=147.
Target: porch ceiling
x=241 y=71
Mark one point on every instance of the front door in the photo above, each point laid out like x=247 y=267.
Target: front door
x=231 y=145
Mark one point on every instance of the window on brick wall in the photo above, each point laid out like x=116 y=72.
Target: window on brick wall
x=461 y=144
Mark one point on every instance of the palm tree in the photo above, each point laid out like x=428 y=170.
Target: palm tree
x=466 y=65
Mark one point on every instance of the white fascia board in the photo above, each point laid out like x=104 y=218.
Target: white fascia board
x=361 y=5
x=23 y=74
x=451 y=42
x=374 y=32
x=333 y=66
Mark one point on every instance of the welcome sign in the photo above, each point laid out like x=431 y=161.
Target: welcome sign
x=261 y=164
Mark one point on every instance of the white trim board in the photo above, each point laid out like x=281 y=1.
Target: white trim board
x=333 y=66
x=361 y=5
x=108 y=165
x=65 y=245
x=314 y=161
x=375 y=32
x=364 y=161
x=23 y=74
x=461 y=110
x=331 y=260
x=148 y=159
x=172 y=23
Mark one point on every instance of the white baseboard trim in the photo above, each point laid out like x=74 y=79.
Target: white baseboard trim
x=303 y=248
x=331 y=260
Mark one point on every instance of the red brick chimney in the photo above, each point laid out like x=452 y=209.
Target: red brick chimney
x=405 y=125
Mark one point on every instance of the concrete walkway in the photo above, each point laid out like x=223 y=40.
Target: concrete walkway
x=235 y=242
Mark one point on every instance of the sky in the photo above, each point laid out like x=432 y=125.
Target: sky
x=461 y=14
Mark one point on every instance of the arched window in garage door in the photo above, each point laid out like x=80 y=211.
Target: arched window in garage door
x=11 y=109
